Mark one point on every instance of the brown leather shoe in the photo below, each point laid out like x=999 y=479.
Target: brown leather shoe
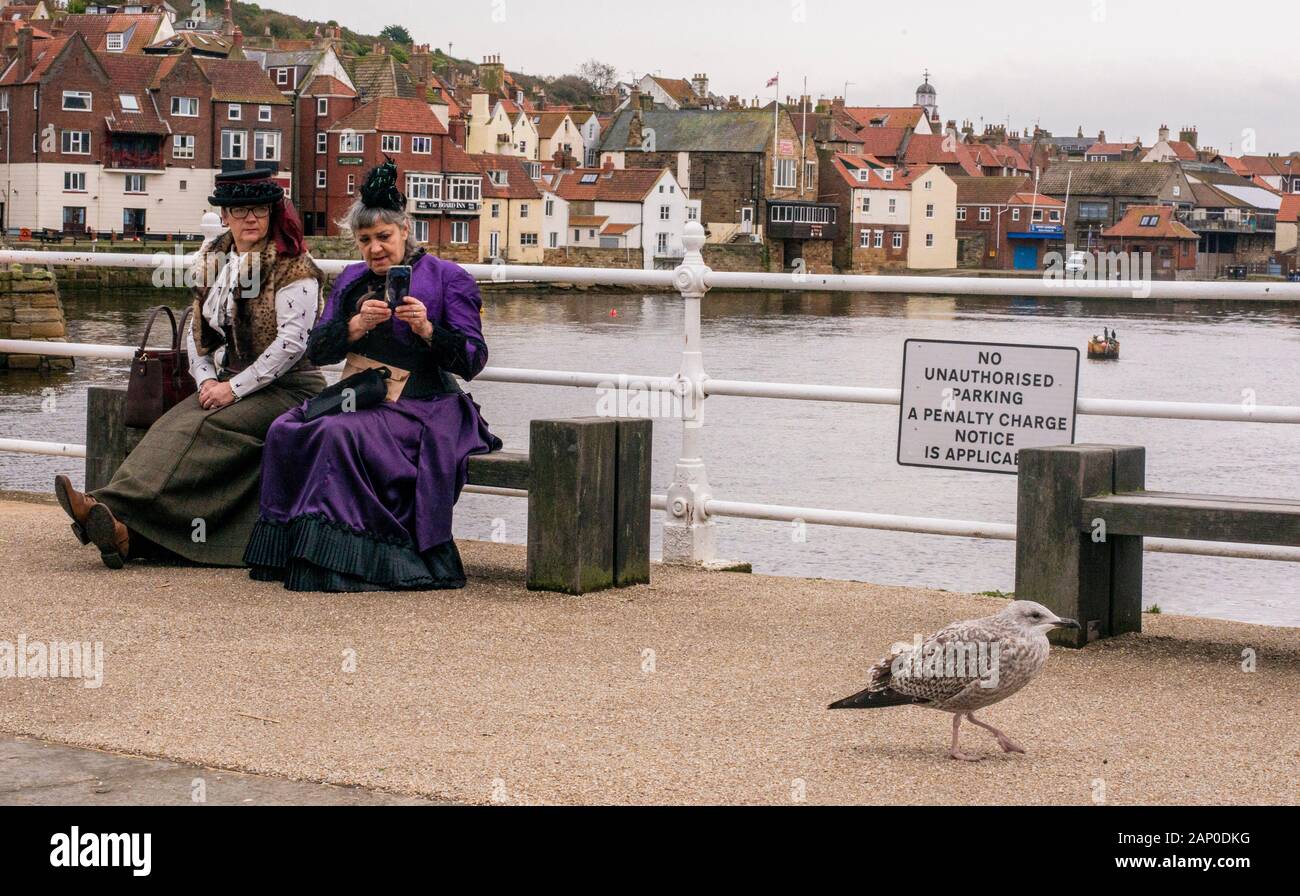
x=75 y=504
x=111 y=537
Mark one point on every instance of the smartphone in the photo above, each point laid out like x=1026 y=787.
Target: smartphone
x=398 y=285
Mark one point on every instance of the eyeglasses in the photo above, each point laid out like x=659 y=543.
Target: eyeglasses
x=240 y=212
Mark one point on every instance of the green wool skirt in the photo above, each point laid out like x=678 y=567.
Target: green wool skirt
x=192 y=485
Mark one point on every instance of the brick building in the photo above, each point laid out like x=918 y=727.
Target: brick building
x=1003 y=225
x=754 y=175
x=1153 y=230
x=443 y=185
x=113 y=142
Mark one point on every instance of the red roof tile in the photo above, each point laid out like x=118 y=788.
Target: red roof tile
x=622 y=185
x=1289 y=213
x=240 y=81
x=1165 y=226
x=397 y=116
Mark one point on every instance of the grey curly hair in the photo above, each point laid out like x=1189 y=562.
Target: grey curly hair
x=361 y=216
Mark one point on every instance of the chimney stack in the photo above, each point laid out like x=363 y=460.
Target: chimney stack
x=228 y=21
x=237 y=39
x=635 y=131
x=24 y=52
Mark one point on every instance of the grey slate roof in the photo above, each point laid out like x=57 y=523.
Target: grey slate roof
x=1107 y=178
x=696 y=130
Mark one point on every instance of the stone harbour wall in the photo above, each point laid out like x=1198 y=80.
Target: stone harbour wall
x=30 y=308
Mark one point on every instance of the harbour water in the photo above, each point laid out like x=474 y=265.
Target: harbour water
x=819 y=454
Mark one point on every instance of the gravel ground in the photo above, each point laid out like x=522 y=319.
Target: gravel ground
x=699 y=688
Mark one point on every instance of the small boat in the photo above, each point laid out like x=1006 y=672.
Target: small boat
x=1104 y=349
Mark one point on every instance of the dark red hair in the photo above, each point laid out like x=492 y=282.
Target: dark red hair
x=286 y=229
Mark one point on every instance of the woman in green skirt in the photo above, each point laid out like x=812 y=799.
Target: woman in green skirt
x=191 y=486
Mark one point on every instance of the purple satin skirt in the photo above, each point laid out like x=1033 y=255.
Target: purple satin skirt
x=362 y=501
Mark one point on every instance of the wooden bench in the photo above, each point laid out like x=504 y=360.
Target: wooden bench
x=588 y=484
x=1081 y=514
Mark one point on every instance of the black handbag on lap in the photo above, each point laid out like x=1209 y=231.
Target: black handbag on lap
x=366 y=389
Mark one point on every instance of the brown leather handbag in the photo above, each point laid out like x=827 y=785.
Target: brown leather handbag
x=160 y=378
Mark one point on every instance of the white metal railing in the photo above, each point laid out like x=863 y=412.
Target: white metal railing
x=691 y=508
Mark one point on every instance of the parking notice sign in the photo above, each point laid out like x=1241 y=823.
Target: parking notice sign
x=974 y=405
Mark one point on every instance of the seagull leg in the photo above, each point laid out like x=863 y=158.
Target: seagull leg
x=955 y=753
x=1007 y=744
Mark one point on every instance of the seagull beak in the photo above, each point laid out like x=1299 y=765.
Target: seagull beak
x=1066 y=623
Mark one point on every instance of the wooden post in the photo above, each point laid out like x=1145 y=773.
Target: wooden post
x=1126 y=550
x=632 y=508
x=1057 y=565
x=108 y=439
x=571 y=501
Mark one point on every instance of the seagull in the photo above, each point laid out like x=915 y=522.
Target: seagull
x=964 y=667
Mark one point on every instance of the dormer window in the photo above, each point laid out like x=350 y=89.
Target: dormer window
x=281 y=76
x=116 y=43
x=888 y=174
x=863 y=174
x=499 y=178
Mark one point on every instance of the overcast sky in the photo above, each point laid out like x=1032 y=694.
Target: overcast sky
x=1123 y=66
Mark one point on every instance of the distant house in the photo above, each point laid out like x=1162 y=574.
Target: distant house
x=1184 y=149
x=1153 y=230
x=1115 y=152
x=1099 y=193
x=511 y=221
x=755 y=177
x=895 y=218
x=1002 y=224
x=1282 y=173
x=671 y=94
x=1288 y=221
x=1235 y=218
x=556 y=132
x=491 y=129
x=608 y=208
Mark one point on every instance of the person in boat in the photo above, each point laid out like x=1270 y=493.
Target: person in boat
x=190 y=488
x=361 y=499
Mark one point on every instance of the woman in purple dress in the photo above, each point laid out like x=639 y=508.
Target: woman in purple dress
x=361 y=499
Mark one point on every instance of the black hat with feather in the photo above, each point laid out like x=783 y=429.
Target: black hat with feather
x=380 y=189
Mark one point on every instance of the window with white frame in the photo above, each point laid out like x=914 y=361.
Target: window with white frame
x=234 y=112
x=422 y=145
x=496 y=209
x=234 y=145
x=421 y=230
x=322 y=105
x=182 y=146
x=986 y=213
x=1054 y=215
x=129 y=102
x=528 y=240
x=809 y=173
x=320 y=178
x=661 y=244
x=465 y=189
x=961 y=213
x=460 y=232
x=893 y=205
x=692 y=213
x=76 y=101
x=263 y=113
x=879 y=241
x=116 y=42
x=185 y=106
x=866 y=204
x=499 y=178
x=1038 y=216
x=929 y=240
x=266 y=146
x=4 y=101
x=929 y=210
x=391 y=142
x=322 y=144
x=76 y=143
x=74 y=181
x=785 y=172
x=864 y=239
x=887 y=175
x=352 y=184
x=352 y=143
x=424 y=186
x=929 y=184
x=1015 y=214
x=665 y=213
x=897 y=241
x=523 y=209
x=281 y=76
x=554 y=241
x=135 y=183
x=549 y=209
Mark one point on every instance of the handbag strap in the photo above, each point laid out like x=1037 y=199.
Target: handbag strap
x=184 y=326
x=144 y=340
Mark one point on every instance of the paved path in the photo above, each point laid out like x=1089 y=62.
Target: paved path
x=698 y=688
